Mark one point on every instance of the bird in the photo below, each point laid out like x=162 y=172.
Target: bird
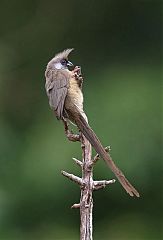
x=64 y=90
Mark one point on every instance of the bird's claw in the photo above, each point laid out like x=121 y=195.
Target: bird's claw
x=77 y=70
x=76 y=73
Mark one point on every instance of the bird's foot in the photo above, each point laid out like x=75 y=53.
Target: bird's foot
x=70 y=135
x=78 y=76
x=77 y=70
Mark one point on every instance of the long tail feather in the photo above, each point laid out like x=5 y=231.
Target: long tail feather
x=95 y=142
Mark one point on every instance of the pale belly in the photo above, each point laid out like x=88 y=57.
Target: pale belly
x=74 y=96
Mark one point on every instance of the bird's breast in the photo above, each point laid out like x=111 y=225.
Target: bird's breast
x=74 y=95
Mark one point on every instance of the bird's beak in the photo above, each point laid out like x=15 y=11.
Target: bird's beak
x=70 y=64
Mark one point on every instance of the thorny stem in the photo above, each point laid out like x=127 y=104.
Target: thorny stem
x=86 y=182
x=86 y=200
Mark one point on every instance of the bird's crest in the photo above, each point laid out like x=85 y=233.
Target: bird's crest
x=64 y=54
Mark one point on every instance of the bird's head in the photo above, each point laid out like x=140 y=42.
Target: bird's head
x=60 y=61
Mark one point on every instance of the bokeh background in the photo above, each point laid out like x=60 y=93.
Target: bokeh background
x=119 y=45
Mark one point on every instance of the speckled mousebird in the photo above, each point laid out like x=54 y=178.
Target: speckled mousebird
x=65 y=95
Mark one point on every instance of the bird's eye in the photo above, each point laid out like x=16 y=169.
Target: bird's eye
x=63 y=61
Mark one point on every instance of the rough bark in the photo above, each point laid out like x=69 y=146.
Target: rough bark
x=86 y=183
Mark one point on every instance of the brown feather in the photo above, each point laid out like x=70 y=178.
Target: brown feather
x=95 y=142
x=56 y=88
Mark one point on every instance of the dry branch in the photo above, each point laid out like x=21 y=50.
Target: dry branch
x=86 y=183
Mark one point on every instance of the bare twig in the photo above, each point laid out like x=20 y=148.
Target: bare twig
x=102 y=184
x=78 y=162
x=86 y=200
x=76 y=205
x=86 y=183
x=73 y=178
x=97 y=157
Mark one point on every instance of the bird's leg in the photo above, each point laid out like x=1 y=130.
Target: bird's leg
x=70 y=135
x=78 y=76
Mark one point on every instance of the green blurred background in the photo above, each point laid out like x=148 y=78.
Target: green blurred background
x=118 y=45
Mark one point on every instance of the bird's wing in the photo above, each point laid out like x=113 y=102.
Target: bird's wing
x=57 y=84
